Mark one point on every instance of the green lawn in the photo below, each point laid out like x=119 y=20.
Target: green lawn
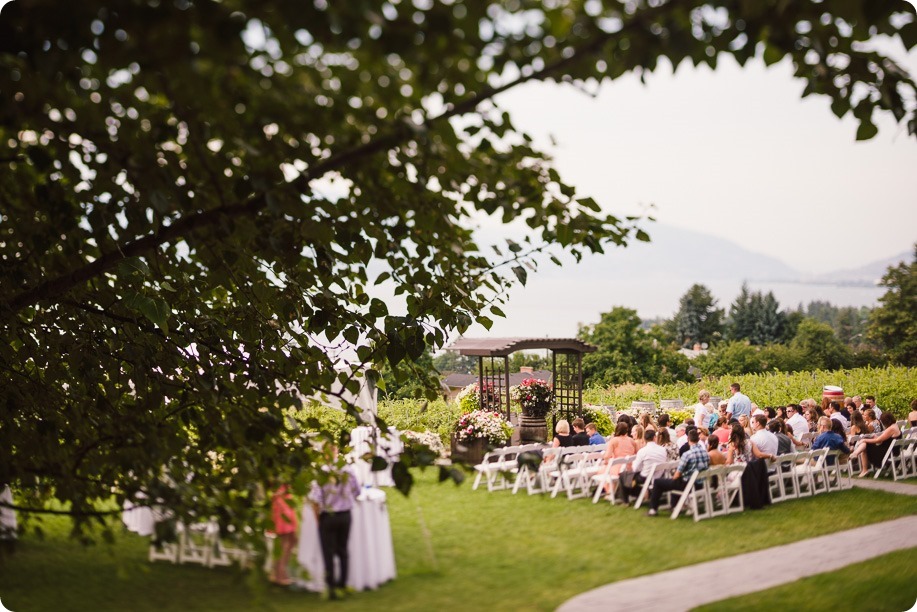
x=485 y=550
x=885 y=583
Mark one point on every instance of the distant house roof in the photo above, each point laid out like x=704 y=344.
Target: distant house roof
x=455 y=381
x=500 y=347
x=692 y=353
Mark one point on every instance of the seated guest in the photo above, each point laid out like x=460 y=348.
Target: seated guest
x=646 y=421
x=696 y=459
x=620 y=445
x=746 y=424
x=713 y=449
x=762 y=438
x=722 y=431
x=858 y=426
x=646 y=461
x=665 y=441
x=796 y=419
x=562 y=436
x=741 y=449
x=833 y=410
x=626 y=418
x=871 y=451
x=681 y=437
x=684 y=447
x=827 y=438
x=784 y=442
x=869 y=415
x=663 y=423
x=580 y=437
x=912 y=417
x=594 y=436
x=637 y=434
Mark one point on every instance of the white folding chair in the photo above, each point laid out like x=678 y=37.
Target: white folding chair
x=660 y=470
x=783 y=478
x=837 y=467
x=696 y=496
x=895 y=459
x=535 y=479
x=606 y=477
x=724 y=486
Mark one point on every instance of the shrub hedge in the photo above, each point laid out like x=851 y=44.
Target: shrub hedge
x=893 y=386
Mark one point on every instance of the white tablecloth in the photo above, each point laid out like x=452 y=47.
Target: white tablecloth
x=388 y=446
x=372 y=556
x=142 y=519
x=7 y=515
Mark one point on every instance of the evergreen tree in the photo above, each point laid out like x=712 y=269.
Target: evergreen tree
x=756 y=317
x=698 y=319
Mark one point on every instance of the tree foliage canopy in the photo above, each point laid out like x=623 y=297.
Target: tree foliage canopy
x=174 y=262
x=626 y=353
x=894 y=323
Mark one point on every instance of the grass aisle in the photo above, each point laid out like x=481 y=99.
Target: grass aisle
x=485 y=551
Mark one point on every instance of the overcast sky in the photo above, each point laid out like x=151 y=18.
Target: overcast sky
x=736 y=153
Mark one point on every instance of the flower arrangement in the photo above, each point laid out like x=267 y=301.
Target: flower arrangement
x=469 y=398
x=429 y=439
x=483 y=424
x=534 y=396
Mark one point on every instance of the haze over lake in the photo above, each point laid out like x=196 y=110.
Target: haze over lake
x=651 y=278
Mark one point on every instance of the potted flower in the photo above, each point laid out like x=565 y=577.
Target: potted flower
x=475 y=431
x=469 y=398
x=535 y=398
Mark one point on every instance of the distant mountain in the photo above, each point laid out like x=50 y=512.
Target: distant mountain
x=866 y=276
x=677 y=253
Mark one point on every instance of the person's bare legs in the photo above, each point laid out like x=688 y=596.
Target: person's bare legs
x=287 y=541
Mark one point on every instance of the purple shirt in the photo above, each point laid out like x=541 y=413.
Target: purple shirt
x=338 y=494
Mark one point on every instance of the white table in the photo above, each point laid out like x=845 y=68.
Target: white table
x=372 y=556
x=388 y=446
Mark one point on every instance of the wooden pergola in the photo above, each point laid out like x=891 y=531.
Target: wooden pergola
x=493 y=384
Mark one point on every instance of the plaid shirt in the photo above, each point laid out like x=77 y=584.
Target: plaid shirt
x=694 y=460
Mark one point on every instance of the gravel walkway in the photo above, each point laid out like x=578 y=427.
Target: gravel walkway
x=677 y=590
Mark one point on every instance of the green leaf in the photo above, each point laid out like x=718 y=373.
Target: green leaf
x=157 y=311
x=520 y=273
x=866 y=130
x=132 y=265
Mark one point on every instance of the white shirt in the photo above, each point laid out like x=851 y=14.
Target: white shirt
x=765 y=441
x=837 y=416
x=702 y=414
x=648 y=457
x=799 y=424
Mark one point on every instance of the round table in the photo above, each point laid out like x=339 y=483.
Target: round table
x=372 y=556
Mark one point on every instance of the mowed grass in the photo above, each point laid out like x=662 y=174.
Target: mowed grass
x=454 y=548
x=885 y=583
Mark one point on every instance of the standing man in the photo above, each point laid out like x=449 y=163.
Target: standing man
x=333 y=502
x=696 y=459
x=739 y=403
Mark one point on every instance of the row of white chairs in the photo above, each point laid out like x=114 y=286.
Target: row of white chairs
x=200 y=544
x=582 y=472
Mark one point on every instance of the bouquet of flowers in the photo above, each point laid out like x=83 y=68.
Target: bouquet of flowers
x=483 y=424
x=469 y=398
x=534 y=396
